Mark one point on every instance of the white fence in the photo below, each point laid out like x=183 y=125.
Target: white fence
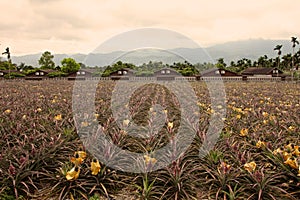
x=250 y=78
x=227 y=78
x=183 y=78
x=136 y=78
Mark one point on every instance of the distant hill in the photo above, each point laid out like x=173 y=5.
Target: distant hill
x=251 y=49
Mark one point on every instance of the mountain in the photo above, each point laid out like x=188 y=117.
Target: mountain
x=251 y=49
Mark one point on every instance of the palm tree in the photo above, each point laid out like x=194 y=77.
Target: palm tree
x=278 y=48
x=297 y=58
x=8 y=59
x=294 y=42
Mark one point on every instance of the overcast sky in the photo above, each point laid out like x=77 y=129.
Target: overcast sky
x=80 y=26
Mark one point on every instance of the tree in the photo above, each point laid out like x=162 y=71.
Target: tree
x=278 y=48
x=4 y=65
x=7 y=53
x=7 y=65
x=297 y=59
x=82 y=66
x=58 y=68
x=262 y=60
x=24 y=68
x=232 y=64
x=185 y=68
x=46 y=61
x=294 y=42
x=220 y=63
x=21 y=66
x=69 y=65
x=241 y=65
x=287 y=61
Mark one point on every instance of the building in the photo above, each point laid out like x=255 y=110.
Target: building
x=217 y=72
x=122 y=74
x=166 y=74
x=3 y=73
x=82 y=74
x=263 y=72
x=39 y=74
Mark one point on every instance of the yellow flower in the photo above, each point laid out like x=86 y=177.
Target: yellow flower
x=73 y=173
x=277 y=151
x=260 y=144
x=58 y=117
x=289 y=147
x=265 y=121
x=84 y=124
x=211 y=111
x=238 y=116
x=200 y=104
x=170 y=125
x=196 y=113
x=82 y=154
x=248 y=109
x=272 y=118
x=153 y=161
x=284 y=112
x=244 y=132
x=286 y=155
x=296 y=151
x=292 y=162
x=39 y=110
x=292 y=128
x=165 y=111
x=122 y=132
x=24 y=116
x=95 y=167
x=224 y=167
x=7 y=111
x=149 y=160
x=238 y=110
x=268 y=165
x=250 y=167
x=126 y=122
x=265 y=114
x=77 y=160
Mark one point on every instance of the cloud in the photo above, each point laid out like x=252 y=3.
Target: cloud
x=63 y=24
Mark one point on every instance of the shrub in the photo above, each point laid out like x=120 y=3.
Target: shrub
x=56 y=74
x=13 y=75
